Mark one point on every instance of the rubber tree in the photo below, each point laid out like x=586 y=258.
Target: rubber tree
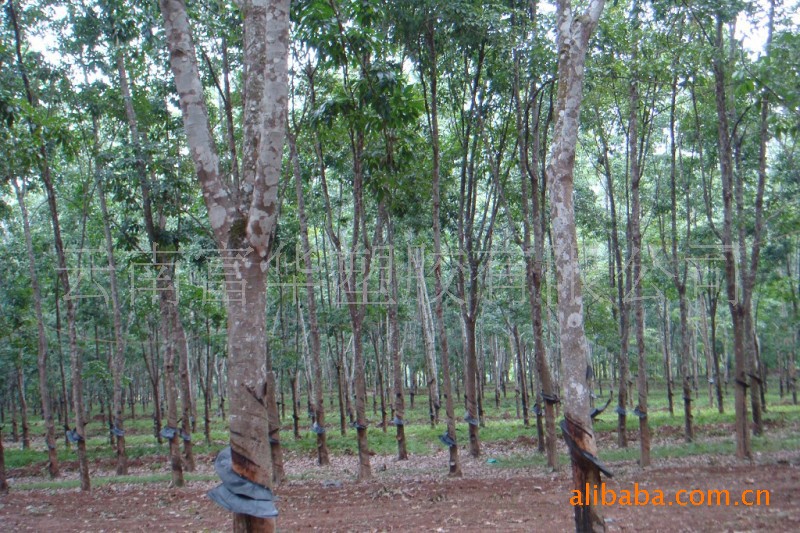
x=635 y=165
x=41 y=335
x=620 y=274
x=3 y=479
x=76 y=361
x=475 y=220
x=318 y=404
x=421 y=24
x=573 y=33
x=242 y=218
x=532 y=188
x=395 y=349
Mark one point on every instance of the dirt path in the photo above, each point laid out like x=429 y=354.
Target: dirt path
x=410 y=497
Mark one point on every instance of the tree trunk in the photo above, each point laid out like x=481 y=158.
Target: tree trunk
x=276 y=451
x=63 y=272
x=248 y=388
x=153 y=374
x=208 y=390
x=685 y=368
x=474 y=238
x=23 y=407
x=187 y=419
x=573 y=38
x=44 y=389
x=428 y=341
x=749 y=272
x=353 y=284
x=118 y=355
x=164 y=258
x=395 y=353
x=3 y=480
x=622 y=284
x=470 y=389
x=518 y=349
x=220 y=367
x=380 y=389
x=65 y=402
x=173 y=434
x=499 y=362
x=318 y=404
x=14 y=427
x=450 y=438
x=636 y=242
x=294 y=385
x=364 y=468
x=243 y=220
x=341 y=393
x=703 y=312
x=743 y=446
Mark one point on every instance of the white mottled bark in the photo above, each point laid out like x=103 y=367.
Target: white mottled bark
x=428 y=341
x=242 y=220
x=573 y=39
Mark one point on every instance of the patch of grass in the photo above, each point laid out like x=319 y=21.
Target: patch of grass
x=501 y=424
x=116 y=480
x=765 y=444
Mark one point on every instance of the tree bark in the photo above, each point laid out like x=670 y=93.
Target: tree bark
x=573 y=33
x=450 y=438
x=170 y=387
x=63 y=272
x=163 y=258
x=428 y=341
x=395 y=351
x=3 y=480
x=276 y=451
x=533 y=225
x=636 y=241
x=242 y=220
x=118 y=355
x=23 y=406
x=187 y=412
x=151 y=365
x=743 y=445
x=41 y=361
x=318 y=404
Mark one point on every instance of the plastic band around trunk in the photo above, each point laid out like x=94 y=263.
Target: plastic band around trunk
x=446 y=440
x=550 y=398
x=238 y=494
x=73 y=436
x=581 y=454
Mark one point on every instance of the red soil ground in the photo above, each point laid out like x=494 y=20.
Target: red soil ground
x=416 y=496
